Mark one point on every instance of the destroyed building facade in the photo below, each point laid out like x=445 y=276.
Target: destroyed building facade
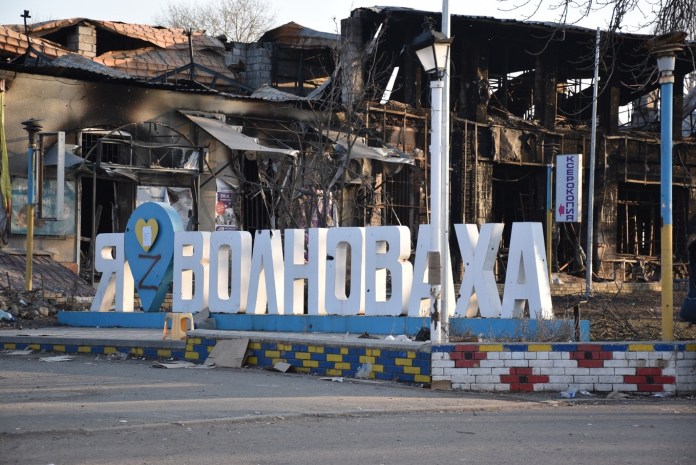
x=296 y=130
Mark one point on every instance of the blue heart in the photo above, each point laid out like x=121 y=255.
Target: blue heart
x=150 y=251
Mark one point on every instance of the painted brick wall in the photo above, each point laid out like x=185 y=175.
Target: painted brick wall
x=603 y=367
x=392 y=364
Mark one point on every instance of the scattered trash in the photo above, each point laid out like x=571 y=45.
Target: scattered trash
x=423 y=334
x=117 y=356
x=586 y=393
x=366 y=335
x=123 y=421
x=364 y=371
x=336 y=379
x=173 y=364
x=402 y=337
x=617 y=395
x=282 y=367
x=6 y=316
x=20 y=352
x=569 y=394
x=202 y=320
x=662 y=394
x=57 y=358
x=389 y=338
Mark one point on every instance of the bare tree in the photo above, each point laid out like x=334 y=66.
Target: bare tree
x=660 y=16
x=238 y=20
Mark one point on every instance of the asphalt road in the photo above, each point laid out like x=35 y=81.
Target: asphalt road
x=97 y=411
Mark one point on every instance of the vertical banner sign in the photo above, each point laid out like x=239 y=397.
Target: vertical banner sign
x=569 y=188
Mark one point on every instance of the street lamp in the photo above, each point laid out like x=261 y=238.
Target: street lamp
x=32 y=127
x=432 y=49
x=664 y=48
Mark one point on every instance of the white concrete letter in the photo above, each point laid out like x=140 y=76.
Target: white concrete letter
x=298 y=269
x=230 y=262
x=387 y=249
x=266 y=280
x=191 y=259
x=479 y=290
x=527 y=276
x=116 y=280
x=338 y=243
x=419 y=302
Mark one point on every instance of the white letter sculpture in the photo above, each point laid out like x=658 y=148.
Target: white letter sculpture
x=191 y=258
x=527 y=275
x=338 y=242
x=116 y=280
x=387 y=249
x=266 y=281
x=230 y=262
x=419 y=301
x=479 y=291
x=298 y=269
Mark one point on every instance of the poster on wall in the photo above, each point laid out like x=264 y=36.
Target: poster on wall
x=569 y=188
x=43 y=226
x=226 y=218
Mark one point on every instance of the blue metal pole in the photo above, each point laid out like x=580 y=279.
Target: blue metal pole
x=666 y=91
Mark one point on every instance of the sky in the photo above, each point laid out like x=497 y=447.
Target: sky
x=323 y=15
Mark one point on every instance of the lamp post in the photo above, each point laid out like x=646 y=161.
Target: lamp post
x=665 y=48
x=432 y=49
x=32 y=127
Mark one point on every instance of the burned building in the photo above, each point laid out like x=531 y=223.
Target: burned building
x=301 y=129
x=521 y=93
x=129 y=113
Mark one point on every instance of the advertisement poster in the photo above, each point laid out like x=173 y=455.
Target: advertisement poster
x=225 y=216
x=569 y=188
x=43 y=226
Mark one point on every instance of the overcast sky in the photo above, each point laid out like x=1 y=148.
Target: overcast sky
x=316 y=14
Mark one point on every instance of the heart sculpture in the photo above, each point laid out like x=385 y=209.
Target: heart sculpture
x=149 y=243
x=146 y=232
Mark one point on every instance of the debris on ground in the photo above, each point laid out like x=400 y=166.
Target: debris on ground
x=57 y=358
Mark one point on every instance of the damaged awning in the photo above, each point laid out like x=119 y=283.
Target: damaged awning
x=360 y=150
x=232 y=138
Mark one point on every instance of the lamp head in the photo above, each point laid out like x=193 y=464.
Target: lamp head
x=432 y=48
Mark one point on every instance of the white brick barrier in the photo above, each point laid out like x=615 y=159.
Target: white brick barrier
x=603 y=367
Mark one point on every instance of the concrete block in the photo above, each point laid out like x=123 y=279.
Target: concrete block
x=516 y=363
x=577 y=371
x=610 y=379
x=442 y=364
x=483 y=387
x=565 y=363
x=541 y=363
x=479 y=371
x=616 y=363
x=492 y=363
x=560 y=380
x=487 y=379
x=463 y=379
x=604 y=387
x=461 y=387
